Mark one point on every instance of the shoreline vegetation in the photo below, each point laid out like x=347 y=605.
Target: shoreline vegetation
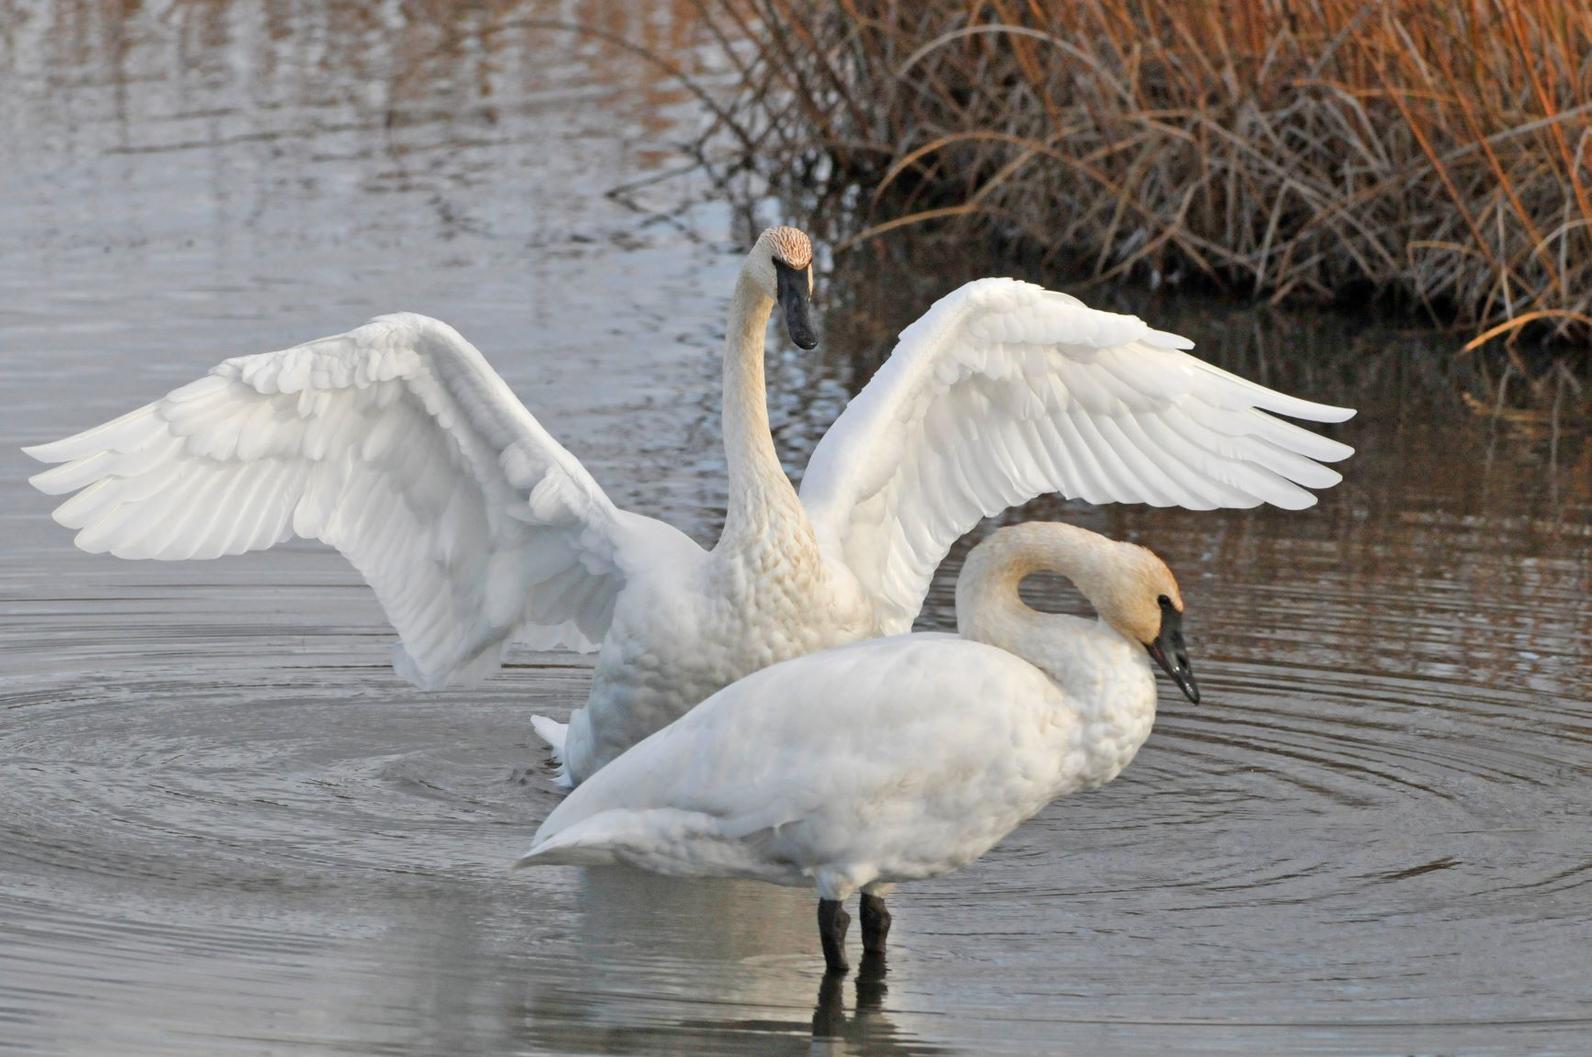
x=1430 y=154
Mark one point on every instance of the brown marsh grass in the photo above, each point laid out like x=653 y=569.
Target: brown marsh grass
x=1431 y=152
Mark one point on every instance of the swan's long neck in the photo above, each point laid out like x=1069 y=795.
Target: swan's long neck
x=762 y=505
x=1105 y=676
x=988 y=608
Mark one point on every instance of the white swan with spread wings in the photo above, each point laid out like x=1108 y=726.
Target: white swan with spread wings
x=399 y=445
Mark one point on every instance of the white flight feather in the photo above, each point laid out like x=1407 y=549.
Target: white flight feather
x=1004 y=391
x=395 y=443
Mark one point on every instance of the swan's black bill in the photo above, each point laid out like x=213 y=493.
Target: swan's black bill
x=1171 y=654
x=794 y=294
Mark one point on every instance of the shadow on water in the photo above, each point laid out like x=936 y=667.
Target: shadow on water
x=226 y=827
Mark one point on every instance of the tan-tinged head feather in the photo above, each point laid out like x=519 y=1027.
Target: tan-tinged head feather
x=790 y=246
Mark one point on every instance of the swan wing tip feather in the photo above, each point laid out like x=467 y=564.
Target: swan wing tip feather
x=574 y=846
x=410 y=672
x=618 y=834
x=1305 y=410
x=463 y=673
x=1162 y=339
x=1308 y=410
x=45 y=480
x=556 y=851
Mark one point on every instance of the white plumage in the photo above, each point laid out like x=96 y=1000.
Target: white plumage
x=397 y=444
x=898 y=758
x=1003 y=391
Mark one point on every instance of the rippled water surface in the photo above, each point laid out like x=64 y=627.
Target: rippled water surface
x=227 y=827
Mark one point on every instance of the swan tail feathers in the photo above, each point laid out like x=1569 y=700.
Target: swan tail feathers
x=554 y=734
x=551 y=731
x=663 y=840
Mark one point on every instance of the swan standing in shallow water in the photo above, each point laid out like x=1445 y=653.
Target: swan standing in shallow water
x=399 y=445
x=898 y=758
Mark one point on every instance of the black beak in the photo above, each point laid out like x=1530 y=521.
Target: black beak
x=1171 y=654
x=794 y=291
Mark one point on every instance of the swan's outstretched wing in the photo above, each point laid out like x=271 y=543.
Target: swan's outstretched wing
x=397 y=444
x=1003 y=391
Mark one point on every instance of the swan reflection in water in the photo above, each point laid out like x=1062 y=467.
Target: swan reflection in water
x=659 y=965
x=868 y=1024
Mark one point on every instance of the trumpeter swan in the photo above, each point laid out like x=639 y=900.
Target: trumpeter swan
x=899 y=758
x=397 y=444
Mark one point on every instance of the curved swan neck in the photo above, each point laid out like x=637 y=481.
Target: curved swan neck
x=1107 y=687
x=988 y=608
x=760 y=495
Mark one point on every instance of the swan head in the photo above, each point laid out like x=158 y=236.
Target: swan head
x=1139 y=597
x=781 y=264
x=1131 y=589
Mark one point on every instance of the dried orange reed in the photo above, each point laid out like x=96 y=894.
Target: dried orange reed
x=1435 y=151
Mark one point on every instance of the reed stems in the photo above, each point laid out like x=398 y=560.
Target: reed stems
x=1434 y=152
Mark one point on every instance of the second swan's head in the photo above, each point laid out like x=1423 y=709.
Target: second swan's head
x=782 y=265
x=1140 y=598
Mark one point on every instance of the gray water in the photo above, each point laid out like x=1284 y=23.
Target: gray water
x=227 y=828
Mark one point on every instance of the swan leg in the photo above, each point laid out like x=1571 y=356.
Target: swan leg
x=833 y=921
x=875 y=923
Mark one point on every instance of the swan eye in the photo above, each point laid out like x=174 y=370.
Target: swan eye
x=1164 y=601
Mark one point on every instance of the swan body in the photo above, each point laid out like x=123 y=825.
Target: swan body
x=896 y=758
x=399 y=445
x=683 y=632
